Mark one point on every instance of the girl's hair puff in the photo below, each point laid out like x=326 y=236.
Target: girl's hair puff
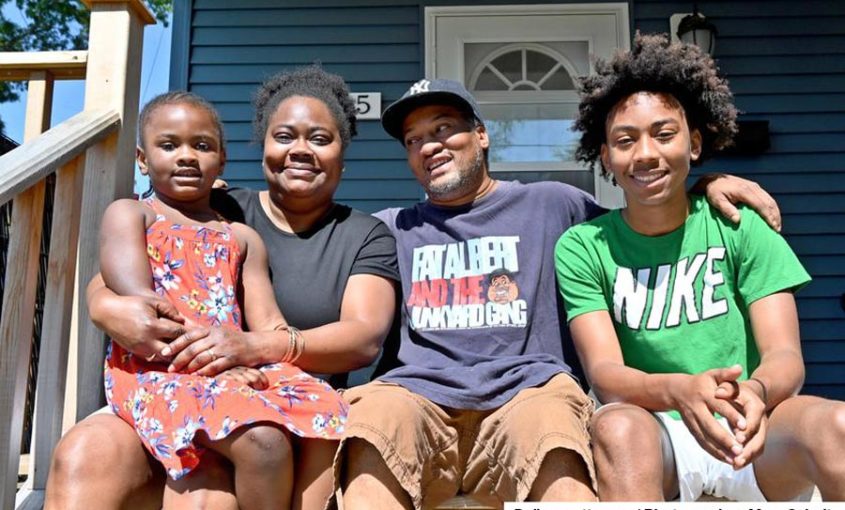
x=309 y=81
x=178 y=97
x=656 y=65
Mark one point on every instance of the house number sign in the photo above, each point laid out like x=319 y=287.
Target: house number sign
x=368 y=105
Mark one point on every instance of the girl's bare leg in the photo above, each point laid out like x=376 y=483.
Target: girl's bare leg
x=313 y=484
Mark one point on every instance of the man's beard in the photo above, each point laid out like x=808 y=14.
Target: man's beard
x=462 y=183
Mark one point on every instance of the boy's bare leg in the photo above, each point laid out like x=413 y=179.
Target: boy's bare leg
x=629 y=456
x=807 y=434
x=313 y=480
x=210 y=485
x=368 y=481
x=89 y=472
x=263 y=461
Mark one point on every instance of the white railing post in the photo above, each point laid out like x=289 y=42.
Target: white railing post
x=19 y=295
x=113 y=82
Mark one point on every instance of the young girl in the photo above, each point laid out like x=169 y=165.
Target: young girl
x=175 y=246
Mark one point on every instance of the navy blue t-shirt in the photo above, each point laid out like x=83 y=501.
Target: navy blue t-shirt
x=481 y=318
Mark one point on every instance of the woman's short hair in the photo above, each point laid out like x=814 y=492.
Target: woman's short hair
x=310 y=81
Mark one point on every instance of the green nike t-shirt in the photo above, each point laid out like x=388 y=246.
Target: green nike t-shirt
x=679 y=302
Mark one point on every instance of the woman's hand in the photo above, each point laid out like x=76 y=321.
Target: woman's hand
x=210 y=351
x=696 y=399
x=141 y=325
x=252 y=377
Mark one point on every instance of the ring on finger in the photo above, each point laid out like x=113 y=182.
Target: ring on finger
x=212 y=355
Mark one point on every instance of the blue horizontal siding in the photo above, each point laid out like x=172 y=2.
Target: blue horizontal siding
x=342 y=17
x=241 y=73
x=821 y=330
x=288 y=55
x=825 y=286
x=384 y=34
x=822 y=202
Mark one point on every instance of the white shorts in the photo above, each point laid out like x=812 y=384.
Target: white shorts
x=700 y=473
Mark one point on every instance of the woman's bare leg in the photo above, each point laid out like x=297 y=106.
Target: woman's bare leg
x=210 y=485
x=101 y=463
x=313 y=481
x=262 y=457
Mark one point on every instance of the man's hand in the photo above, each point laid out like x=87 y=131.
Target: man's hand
x=723 y=191
x=696 y=400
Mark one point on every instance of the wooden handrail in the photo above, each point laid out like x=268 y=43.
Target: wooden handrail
x=63 y=65
x=33 y=161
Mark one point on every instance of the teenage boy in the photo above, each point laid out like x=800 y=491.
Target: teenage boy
x=685 y=323
x=484 y=402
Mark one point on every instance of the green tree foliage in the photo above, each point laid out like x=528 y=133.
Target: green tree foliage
x=49 y=25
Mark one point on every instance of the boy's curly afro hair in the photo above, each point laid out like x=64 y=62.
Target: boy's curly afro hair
x=309 y=81
x=655 y=65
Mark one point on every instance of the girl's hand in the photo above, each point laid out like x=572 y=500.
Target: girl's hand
x=251 y=377
x=209 y=351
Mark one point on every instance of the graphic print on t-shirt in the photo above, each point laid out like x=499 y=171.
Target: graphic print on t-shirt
x=686 y=287
x=466 y=284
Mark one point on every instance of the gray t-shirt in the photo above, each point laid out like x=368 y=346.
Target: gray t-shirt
x=310 y=269
x=481 y=318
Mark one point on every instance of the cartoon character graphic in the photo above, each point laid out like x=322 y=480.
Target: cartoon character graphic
x=503 y=288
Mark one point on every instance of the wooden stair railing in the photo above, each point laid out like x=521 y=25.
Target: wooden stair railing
x=92 y=154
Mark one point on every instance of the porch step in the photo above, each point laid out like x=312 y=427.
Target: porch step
x=463 y=503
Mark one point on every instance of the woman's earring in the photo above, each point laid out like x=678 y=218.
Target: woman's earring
x=342 y=169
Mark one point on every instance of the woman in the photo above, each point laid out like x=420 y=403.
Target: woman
x=333 y=273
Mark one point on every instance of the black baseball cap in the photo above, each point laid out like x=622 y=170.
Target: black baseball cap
x=426 y=92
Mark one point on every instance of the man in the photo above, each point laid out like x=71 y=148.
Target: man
x=679 y=315
x=484 y=402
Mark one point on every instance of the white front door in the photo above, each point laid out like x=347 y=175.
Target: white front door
x=520 y=62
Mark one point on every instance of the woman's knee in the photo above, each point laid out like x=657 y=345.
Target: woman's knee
x=84 y=454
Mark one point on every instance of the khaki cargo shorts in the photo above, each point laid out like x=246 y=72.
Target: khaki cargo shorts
x=436 y=452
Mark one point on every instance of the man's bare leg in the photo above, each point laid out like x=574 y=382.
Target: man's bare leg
x=563 y=476
x=368 y=483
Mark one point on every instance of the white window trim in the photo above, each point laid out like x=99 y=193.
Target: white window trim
x=606 y=194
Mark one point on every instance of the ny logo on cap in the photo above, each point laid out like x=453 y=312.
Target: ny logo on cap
x=419 y=87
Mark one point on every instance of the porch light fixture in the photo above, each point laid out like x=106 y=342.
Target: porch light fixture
x=695 y=29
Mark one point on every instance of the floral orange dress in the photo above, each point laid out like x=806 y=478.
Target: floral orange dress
x=197 y=269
